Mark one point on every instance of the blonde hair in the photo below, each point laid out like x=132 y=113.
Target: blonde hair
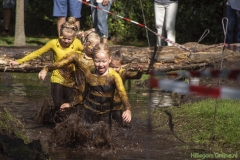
x=69 y=27
x=88 y=36
x=101 y=48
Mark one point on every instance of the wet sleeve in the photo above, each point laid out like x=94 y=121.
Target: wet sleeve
x=69 y=58
x=79 y=99
x=122 y=92
x=76 y=101
x=36 y=53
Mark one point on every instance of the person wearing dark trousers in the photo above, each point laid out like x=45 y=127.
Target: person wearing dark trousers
x=8 y=6
x=233 y=16
x=61 y=9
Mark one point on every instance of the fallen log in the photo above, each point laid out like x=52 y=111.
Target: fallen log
x=167 y=58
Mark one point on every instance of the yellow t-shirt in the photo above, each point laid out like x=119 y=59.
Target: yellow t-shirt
x=100 y=91
x=58 y=54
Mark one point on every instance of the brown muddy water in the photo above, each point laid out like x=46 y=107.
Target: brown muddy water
x=23 y=96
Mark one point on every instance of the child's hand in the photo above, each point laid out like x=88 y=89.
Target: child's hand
x=64 y=106
x=80 y=35
x=127 y=116
x=139 y=68
x=105 y=2
x=42 y=74
x=13 y=63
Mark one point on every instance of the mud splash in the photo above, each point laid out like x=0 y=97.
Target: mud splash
x=75 y=133
x=134 y=142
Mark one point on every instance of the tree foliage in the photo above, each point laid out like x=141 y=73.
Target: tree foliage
x=193 y=18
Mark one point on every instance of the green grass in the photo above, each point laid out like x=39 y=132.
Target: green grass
x=11 y=125
x=39 y=41
x=30 y=41
x=195 y=123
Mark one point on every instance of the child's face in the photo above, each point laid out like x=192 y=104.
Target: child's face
x=89 y=47
x=101 y=62
x=66 y=40
x=115 y=65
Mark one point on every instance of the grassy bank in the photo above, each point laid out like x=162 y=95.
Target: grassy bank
x=196 y=124
x=13 y=143
x=30 y=41
x=40 y=41
x=11 y=125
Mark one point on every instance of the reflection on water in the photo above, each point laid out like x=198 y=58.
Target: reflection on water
x=22 y=97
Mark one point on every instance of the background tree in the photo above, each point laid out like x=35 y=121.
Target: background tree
x=20 y=38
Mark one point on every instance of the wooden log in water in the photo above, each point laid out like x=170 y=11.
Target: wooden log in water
x=167 y=58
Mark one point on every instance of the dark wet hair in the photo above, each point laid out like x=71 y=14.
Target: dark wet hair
x=117 y=56
x=101 y=47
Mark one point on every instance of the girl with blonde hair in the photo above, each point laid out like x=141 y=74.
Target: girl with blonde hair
x=61 y=83
x=101 y=83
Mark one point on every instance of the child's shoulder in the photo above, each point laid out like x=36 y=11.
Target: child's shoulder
x=113 y=73
x=77 y=41
x=122 y=70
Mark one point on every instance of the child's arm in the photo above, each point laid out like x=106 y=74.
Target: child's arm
x=66 y=60
x=72 y=104
x=76 y=101
x=69 y=58
x=133 y=75
x=34 y=54
x=124 y=98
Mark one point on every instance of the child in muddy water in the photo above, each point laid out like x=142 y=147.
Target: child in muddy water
x=101 y=83
x=61 y=83
x=116 y=64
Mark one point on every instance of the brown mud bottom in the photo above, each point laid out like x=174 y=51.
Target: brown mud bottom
x=75 y=140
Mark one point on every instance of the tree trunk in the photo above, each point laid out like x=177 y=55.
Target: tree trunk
x=166 y=59
x=20 y=38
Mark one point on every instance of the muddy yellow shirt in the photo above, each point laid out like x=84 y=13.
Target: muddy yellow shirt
x=99 y=89
x=79 y=75
x=58 y=54
x=100 y=92
x=124 y=74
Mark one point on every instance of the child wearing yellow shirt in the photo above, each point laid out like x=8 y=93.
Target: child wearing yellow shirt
x=101 y=83
x=116 y=64
x=61 y=85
